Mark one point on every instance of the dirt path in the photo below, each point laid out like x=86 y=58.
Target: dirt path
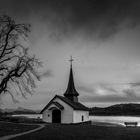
x=23 y=133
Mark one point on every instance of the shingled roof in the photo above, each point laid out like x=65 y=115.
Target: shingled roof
x=74 y=105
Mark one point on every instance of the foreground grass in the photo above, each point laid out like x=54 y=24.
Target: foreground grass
x=82 y=132
x=7 y=128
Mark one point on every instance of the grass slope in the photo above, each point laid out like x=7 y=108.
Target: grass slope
x=82 y=132
x=7 y=128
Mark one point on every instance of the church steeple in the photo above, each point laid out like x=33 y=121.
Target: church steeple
x=71 y=92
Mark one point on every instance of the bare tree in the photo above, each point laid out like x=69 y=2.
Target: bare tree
x=17 y=67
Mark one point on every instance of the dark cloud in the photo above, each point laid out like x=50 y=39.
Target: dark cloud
x=130 y=92
x=47 y=74
x=93 y=18
x=135 y=84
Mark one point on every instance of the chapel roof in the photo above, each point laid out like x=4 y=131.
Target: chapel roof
x=59 y=106
x=74 y=105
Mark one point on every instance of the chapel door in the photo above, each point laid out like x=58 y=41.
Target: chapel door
x=56 y=116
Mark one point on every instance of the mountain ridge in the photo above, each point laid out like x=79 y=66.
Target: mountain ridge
x=117 y=109
x=19 y=110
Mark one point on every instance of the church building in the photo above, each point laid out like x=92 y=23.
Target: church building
x=66 y=109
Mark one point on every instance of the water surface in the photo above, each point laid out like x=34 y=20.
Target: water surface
x=115 y=119
x=35 y=116
x=103 y=119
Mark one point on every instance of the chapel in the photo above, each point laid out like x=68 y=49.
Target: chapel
x=66 y=109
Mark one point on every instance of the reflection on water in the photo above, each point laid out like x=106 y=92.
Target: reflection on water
x=115 y=119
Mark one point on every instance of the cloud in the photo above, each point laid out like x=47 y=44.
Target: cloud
x=85 y=89
x=109 y=98
x=82 y=23
x=135 y=84
x=47 y=74
x=108 y=88
x=94 y=19
x=129 y=92
x=105 y=93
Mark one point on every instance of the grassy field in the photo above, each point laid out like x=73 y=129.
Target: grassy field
x=82 y=132
x=7 y=128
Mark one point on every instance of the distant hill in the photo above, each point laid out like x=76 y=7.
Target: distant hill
x=118 y=109
x=20 y=110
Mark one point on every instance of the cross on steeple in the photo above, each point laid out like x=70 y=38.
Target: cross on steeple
x=71 y=59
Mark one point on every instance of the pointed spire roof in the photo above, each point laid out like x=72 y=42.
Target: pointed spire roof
x=71 y=91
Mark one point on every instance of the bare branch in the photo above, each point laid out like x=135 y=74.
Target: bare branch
x=17 y=67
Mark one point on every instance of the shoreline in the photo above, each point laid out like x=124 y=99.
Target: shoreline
x=115 y=115
x=107 y=124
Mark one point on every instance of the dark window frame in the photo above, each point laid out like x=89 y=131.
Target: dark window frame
x=82 y=118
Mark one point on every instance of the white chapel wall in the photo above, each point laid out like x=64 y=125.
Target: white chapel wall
x=77 y=116
x=67 y=113
x=47 y=115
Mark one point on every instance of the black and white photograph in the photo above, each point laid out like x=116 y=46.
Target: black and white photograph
x=69 y=69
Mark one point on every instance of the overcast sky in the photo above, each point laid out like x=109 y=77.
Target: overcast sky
x=103 y=36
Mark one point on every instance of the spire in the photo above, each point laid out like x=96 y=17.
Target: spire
x=71 y=92
x=71 y=59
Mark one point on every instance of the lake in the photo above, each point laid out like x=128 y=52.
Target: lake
x=105 y=119
x=34 y=116
x=115 y=119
